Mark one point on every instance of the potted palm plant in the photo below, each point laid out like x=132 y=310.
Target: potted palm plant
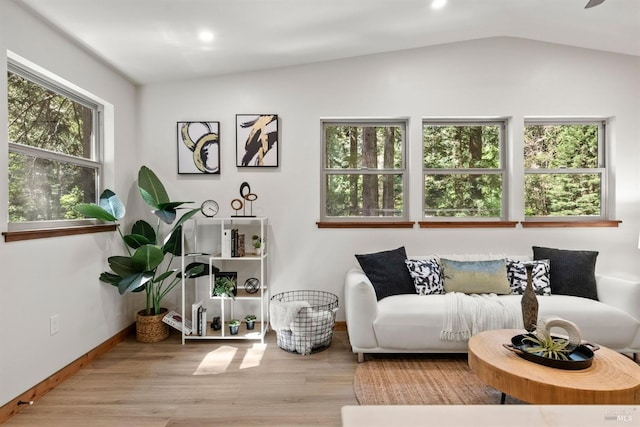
x=148 y=263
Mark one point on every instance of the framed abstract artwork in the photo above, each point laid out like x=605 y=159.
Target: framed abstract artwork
x=257 y=140
x=198 y=147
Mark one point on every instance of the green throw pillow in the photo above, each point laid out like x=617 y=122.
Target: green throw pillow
x=475 y=277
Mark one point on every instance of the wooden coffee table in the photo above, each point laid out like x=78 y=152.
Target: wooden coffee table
x=612 y=377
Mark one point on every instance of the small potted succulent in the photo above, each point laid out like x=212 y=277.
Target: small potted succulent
x=256 y=242
x=251 y=321
x=234 y=325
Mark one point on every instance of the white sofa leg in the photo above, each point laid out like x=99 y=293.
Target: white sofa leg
x=360 y=357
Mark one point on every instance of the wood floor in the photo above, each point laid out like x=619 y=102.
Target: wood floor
x=212 y=383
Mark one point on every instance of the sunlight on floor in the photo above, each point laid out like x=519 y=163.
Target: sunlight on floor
x=253 y=357
x=219 y=360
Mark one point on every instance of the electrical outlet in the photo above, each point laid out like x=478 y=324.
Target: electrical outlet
x=54 y=324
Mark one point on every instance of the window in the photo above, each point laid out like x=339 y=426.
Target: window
x=564 y=169
x=54 y=155
x=464 y=174
x=364 y=174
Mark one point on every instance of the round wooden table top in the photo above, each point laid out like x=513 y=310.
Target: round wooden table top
x=612 y=377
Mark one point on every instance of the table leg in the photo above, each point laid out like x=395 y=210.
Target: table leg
x=502 y=398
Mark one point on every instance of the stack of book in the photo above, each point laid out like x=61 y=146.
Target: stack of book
x=199 y=319
x=232 y=243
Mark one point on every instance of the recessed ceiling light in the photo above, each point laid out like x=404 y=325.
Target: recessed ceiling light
x=438 y=4
x=205 y=36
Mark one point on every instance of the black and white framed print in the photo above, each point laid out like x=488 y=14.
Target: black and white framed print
x=257 y=140
x=199 y=147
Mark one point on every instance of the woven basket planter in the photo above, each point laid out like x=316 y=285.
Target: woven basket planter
x=151 y=328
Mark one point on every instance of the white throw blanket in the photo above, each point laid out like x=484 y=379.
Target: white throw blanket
x=466 y=315
x=283 y=313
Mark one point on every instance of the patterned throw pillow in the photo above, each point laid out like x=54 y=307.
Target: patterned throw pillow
x=427 y=276
x=540 y=276
x=517 y=274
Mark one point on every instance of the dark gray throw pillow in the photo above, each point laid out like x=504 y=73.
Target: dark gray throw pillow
x=387 y=272
x=572 y=272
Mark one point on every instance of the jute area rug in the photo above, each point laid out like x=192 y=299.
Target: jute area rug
x=421 y=380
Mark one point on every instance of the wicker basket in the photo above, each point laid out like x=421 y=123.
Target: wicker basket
x=312 y=329
x=151 y=328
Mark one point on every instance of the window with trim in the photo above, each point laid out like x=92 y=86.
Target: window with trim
x=565 y=172
x=54 y=153
x=364 y=175
x=464 y=173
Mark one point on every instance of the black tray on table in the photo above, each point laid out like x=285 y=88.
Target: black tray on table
x=580 y=358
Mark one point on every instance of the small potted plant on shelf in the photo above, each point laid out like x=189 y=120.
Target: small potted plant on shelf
x=234 y=325
x=256 y=241
x=225 y=287
x=251 y=320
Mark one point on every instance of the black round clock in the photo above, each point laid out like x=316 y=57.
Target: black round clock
x=209 y=208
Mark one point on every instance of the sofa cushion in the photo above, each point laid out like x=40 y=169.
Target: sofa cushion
x=540 y=276
x=387 y=272
x=571 y=272
x=517 y=274
x=426 y=275
x=475 y=277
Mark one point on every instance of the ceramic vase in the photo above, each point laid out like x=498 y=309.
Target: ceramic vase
x=529 y=303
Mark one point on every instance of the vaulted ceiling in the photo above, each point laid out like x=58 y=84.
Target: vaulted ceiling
x=160 y=40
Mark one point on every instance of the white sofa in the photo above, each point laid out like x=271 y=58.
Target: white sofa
x=411 y=323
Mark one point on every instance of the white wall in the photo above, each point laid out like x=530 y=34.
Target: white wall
x=491 y=77
x=59 y=275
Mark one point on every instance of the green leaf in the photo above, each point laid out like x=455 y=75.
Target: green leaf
x=136 y=240
x=147 y=257
x=170 y=205
x=123 y=266
x=173 y=243
x=186 y=216
x=197 y=269
x=112 y=279
x=112 y=204
x=145 y=229
x=164 y=275
x=167 y=215
x=110 y=208
x=134 y=282
x=91 y=210
x=151 y=189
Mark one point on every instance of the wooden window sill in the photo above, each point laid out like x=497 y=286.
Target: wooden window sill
x=15 y=236
x=370 y=224
x=559 y=224
x=467 y=224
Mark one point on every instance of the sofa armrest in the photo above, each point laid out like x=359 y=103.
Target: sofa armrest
x=361 y=307
x=621 y=293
